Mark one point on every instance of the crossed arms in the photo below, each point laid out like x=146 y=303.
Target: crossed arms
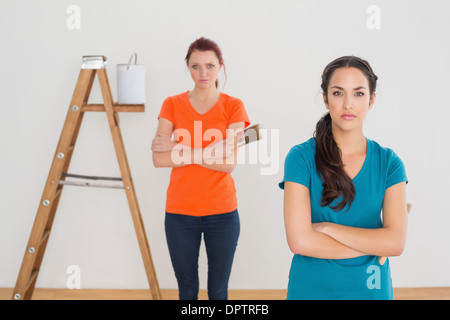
x=219 y=156
x=333 y=241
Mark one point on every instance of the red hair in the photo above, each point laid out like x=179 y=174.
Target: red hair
x=204 y=44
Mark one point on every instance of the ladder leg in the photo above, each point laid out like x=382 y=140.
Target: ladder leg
x=128 y=184
x=40 y=232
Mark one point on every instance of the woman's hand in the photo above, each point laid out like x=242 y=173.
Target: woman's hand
x=218 y=152
x=163 y=143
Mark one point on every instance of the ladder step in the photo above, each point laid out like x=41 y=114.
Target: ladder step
x=116 y=107
x=91 y=184
x=70 y=175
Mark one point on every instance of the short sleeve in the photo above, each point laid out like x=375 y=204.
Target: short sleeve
x=167 y=110
x=396 y=170
x=237 y=113
x=297 y=167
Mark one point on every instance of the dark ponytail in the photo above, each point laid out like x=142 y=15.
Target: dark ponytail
x=336 y=181
x=328 y=157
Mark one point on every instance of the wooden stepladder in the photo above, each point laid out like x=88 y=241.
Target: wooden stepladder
x=56 y=180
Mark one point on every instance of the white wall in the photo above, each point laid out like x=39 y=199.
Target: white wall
x=274 y=52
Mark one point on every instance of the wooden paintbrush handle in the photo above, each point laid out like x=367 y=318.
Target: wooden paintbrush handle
x=382 y=260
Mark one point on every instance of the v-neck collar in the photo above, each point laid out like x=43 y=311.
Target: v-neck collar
x=366 y=162
x=198 y=113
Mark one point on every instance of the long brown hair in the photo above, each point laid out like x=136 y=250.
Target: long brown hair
x=335 y=180
x=204 y=44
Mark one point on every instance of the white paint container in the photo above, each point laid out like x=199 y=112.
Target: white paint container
x=131 y=82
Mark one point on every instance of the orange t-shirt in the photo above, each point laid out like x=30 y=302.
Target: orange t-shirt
x=194 y=190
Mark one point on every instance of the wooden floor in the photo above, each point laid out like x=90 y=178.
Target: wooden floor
x=436 y=293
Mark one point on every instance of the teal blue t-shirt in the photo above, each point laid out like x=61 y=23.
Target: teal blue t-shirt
x=355 y=278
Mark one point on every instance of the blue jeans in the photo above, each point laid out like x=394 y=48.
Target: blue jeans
x=184 y=233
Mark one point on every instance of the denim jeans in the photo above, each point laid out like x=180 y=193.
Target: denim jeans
x=220 y=233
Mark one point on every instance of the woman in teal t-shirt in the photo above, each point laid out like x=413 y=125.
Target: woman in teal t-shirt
x=344 y=196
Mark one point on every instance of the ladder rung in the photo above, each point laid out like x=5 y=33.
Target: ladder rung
x=92 y=184
x=71 y=175
x=116 y=107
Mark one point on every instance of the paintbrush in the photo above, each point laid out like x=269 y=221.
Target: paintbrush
x=239 y=138
x=251 y=134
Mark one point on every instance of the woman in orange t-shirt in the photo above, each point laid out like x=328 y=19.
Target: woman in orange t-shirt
x=195 y=136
